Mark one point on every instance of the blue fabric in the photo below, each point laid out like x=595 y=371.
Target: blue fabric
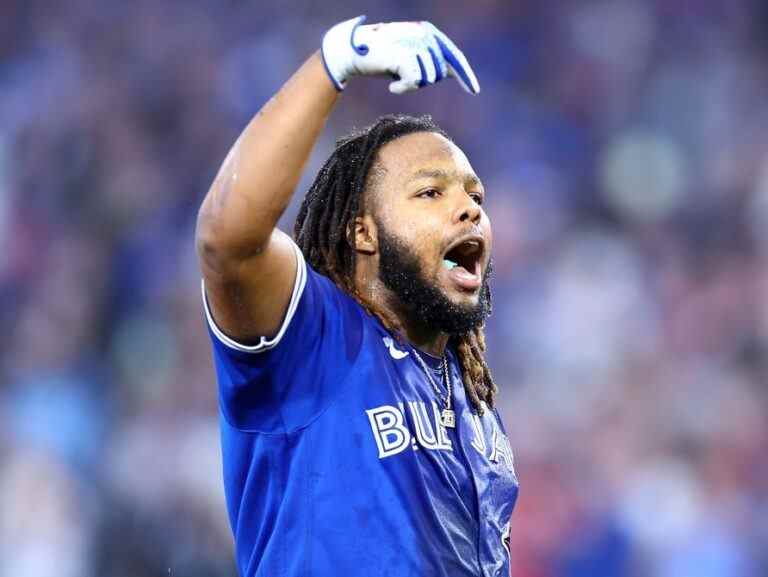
x=334 y=465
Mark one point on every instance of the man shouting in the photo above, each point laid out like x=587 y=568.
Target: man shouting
x=359 y=434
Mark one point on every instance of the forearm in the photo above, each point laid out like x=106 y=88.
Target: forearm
x=261 y=171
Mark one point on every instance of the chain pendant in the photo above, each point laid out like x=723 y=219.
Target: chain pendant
x=448 y=418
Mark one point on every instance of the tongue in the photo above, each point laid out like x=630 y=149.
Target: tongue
x=464 y=278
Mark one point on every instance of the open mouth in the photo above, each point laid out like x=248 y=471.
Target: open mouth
x=463 y=261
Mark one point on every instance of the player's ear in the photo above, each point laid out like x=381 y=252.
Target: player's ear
x=361 y=234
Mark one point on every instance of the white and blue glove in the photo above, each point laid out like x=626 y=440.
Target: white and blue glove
x=416 y=54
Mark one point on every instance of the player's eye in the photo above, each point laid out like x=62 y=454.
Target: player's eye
x=477 y=197
x=429 y=193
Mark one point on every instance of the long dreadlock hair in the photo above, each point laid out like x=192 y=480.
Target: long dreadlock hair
x=336 y=198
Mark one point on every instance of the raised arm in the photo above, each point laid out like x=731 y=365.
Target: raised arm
x=249 y=266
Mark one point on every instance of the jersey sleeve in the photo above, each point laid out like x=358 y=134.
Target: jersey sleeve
x=282 y=383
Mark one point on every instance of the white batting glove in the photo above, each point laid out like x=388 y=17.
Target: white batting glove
x=416 y=54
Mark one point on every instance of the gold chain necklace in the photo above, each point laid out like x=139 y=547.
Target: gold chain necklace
x=447 y=415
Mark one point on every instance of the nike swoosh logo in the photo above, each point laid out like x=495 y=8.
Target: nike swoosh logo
x=396 y=354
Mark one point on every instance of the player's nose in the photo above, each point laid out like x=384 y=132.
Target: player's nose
x=467 y=210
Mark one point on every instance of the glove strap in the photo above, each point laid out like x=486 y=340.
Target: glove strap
x=338 y=50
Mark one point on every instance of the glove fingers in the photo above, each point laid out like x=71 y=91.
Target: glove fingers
x=409 y=73
x=407 y=82
x=438 y=63
x=426 y=68
x=401 y=86
x=459 y=68
x=457 y=64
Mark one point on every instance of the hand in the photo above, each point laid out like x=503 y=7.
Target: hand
x=416 y=54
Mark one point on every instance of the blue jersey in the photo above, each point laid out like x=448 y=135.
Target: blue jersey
x=335 y=460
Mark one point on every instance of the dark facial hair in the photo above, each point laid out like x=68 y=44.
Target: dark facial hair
x=419 y=297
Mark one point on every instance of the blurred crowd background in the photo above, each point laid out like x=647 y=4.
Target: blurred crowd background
x=624 y=147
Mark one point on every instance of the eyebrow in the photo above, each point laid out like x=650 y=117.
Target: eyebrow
x=439 y=173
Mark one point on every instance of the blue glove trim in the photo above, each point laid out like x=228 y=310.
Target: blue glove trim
x=338 y=86
x=453 y=61
x=423 y=81
x=361 y=49
x=436 y=62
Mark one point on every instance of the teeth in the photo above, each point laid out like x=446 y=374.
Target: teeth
x=449 y=264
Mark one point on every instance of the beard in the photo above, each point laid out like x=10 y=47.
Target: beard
x=420 y=298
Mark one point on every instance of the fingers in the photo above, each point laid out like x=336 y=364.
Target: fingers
x=409 y=78
x=416 y=72
x=402 y=86
x=457 y=64
x=426 y=68
x=417 y=54
x=437 y=63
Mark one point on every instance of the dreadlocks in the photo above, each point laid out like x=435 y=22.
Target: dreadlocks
x=336 y=198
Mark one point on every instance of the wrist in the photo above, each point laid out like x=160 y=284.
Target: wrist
x=338 y=50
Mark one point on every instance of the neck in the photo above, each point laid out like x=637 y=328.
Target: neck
x=429 y=342
x=423 y=337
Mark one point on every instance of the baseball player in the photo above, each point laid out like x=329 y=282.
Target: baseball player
x=358 y=428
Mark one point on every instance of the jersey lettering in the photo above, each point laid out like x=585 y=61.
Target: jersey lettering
x=442 y=432
x=392 y=437
x=479 y=440
x=502 y=450
x=425 y=429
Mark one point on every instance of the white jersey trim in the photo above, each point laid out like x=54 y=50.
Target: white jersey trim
x=264 y=344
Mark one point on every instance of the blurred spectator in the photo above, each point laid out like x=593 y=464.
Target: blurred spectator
x=624 y=146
